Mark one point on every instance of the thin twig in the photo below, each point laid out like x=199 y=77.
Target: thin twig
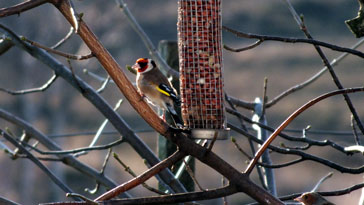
x=93 y=191
x=64 y=39
x=233 y=140
x=322 y=180
x=257 y=43
x=142 y=178
x=272 y=166
x=104 y=84
x=82 y=149
x=44 y=87
x=192 y=175
x=60 y=53
x=294 y=40
x=132 y=173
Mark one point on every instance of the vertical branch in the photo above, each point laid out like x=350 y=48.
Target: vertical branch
x=262 y=134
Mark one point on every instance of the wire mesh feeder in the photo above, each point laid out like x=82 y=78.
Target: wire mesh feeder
x=200 y=60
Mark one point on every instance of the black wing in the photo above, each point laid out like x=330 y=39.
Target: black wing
x=167 y=90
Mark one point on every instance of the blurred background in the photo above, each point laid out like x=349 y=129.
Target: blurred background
x=62 y=110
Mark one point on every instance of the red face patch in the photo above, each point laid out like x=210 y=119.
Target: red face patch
x=143 y=64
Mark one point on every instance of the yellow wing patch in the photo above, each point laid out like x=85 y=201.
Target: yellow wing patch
x=162 y=91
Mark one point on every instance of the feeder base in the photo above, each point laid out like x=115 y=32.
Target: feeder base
x=209 y=134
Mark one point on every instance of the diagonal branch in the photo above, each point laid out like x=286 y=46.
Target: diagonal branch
x=143 y=177
x=60 y=53
x=19 y=8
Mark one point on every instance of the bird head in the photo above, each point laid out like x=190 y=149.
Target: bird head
x=143 y=65
x=312 y=198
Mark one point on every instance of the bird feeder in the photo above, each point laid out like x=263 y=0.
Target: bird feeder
x=200 y=62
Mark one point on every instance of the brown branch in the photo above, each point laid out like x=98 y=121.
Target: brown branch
x=142 y=178
x=168 y=199
x=291 y=118
x=19 y=8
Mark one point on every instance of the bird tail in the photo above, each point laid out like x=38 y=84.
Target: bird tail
x=177 y=120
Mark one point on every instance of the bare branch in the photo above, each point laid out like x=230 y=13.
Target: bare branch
x=127 y=169
x=100 y=147
x=143 y=177
x=257 y=43
x=19 y=8
x=66 y=55
x=322 y=180
x=64 y=39
x=32 y=90
x=294 y=40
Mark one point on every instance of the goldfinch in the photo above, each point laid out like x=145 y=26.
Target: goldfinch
x=152 y=84
x=312 y=198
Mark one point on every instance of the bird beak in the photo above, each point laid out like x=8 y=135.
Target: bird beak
x=136 y=66
x=299 y=199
